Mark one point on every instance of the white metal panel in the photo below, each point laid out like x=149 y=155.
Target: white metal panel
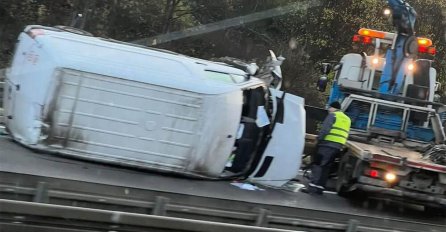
x=124 y=113
x=164 y=68
x=119 y=120
x=218 y=133
x=351 y=68
x=286 y=144
x=432 y=82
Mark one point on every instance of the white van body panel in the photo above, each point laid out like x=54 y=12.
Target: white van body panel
x=84 y=97
x=91 y=98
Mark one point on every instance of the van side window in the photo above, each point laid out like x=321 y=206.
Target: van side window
x=238 y=78
x=218 y=76
x=225 y=77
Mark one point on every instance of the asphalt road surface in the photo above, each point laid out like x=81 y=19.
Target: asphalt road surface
x=17 y=159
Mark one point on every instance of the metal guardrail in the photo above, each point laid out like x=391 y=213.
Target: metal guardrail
x=2 y=78
x=59 y=195
x=31 y=214
x=160 y=206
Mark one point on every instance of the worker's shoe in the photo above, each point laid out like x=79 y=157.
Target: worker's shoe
x=313 y=189
x=310 y=191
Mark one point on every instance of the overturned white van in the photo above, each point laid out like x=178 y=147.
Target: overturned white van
x=93 y=98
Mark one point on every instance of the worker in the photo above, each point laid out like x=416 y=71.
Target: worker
x=330 y=141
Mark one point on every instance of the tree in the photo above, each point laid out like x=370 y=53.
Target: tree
x=305 y=38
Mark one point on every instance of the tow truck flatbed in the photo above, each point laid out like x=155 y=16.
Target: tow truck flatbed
x=387 y=153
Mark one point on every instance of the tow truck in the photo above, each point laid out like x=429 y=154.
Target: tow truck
x=396 y=145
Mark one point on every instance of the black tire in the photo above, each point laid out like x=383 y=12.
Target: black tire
x=438 y=211
x=345 y=179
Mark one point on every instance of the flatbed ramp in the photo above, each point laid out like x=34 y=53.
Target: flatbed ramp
x=41 y=192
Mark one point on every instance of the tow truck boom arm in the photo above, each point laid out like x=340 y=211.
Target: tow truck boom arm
x=404 y=16
x=397 y=58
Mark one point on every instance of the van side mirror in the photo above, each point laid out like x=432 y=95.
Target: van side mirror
x=337 y=67
x=326 y=68
x=322 y=83
x=323 y=80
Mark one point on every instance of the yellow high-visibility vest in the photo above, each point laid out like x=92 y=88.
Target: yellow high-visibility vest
x=340 y=129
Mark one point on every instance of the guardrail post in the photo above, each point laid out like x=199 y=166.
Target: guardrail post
x=160 y=206
x=2 y=82
x=41 y=195
x=262 y=218
x=352 y=225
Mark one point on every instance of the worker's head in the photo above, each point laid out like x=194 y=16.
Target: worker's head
x=334 y=106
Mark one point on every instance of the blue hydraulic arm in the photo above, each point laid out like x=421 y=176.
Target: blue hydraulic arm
x=397 y=58
x=404 y=16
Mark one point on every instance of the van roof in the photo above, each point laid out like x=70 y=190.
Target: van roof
x=79 y=50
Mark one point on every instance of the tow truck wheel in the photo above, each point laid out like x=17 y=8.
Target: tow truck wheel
x=345 y=179
x=435 y=210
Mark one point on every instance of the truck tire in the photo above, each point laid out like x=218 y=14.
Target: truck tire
x=438 y=211
x=345 y=177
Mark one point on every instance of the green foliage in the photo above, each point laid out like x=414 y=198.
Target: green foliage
x=305 y=38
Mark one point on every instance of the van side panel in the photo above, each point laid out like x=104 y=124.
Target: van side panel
x=105 y=101
x=107 y=118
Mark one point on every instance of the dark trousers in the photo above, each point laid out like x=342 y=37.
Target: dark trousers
x=320 y=169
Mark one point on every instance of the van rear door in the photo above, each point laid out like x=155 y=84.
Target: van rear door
x=281 y=159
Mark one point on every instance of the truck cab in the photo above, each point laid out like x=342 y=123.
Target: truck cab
x=414 y=77
x=413 y=83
